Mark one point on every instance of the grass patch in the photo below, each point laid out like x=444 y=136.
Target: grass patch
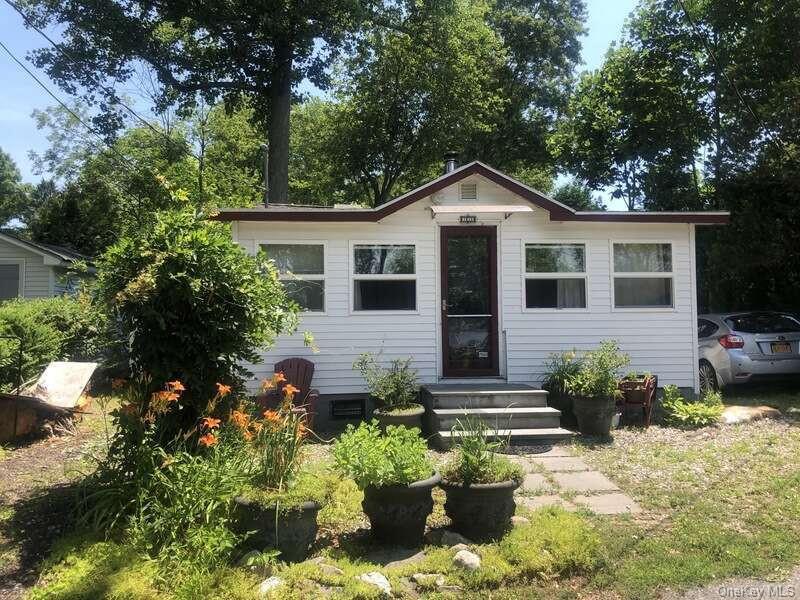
x=4 y=453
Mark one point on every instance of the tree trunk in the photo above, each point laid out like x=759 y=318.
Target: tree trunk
x=280 y=107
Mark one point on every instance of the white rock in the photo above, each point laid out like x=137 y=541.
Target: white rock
x=465 y=559
x=516 y=521
x=378 y=580
x=329 y=569
x=451 y=538
x=459 y=547
x=268 y=585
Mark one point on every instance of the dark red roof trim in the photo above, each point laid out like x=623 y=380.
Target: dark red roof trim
x=557 y=211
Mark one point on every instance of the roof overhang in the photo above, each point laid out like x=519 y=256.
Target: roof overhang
x=556 y=210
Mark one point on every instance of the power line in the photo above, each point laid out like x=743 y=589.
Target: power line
x=728 y=79
x=126 y=162
x=107 y=89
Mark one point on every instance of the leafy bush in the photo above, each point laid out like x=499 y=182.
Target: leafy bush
x=598 y=375
x=50 y=329
x=395 y=388
x=559 y=369
x=190 y=304
x=476 y=460
x=680 y=412
x=372 y=459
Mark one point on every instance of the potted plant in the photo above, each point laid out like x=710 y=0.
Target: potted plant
x=278 y=509
x=634 y=385
x=396 y=389
x=396 y=475
x=479 y=484
x=594 y=388
x=559 y=368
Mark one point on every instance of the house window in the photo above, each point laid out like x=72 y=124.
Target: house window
x=384 y=277
x=301 y=268
x=9 y=281
x=555 y=276
x=643 y=275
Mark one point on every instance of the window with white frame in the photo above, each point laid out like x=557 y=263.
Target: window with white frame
x=384 y=277
x=301 y=268
x=555 y=276
x=10 y=274
x=642 y=275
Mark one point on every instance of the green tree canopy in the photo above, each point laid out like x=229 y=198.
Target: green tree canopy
x=12 y=190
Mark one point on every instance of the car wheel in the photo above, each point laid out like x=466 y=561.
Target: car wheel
x=708 y=378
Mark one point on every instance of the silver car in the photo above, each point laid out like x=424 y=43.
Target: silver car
x=738 y=347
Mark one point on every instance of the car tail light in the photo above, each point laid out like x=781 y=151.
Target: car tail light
x=731 y=341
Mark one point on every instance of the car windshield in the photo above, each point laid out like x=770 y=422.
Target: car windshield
x=763 y=323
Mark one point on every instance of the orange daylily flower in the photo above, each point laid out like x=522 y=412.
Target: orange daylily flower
x=210 y=423
x=279 y=378
x=289 y=390
x=247 y=435
x=272 y=416
x=165 y=396
x=240 y=419
x=223 y=390
x=208 y=440
x=176 y=386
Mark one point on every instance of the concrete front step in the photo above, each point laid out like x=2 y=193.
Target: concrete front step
x=518 y=437
x=448 y=395
x=512 y=417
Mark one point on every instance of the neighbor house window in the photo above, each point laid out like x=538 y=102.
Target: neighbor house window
x=384 y=277
x=643 y=275
x=555 y=276
x=301 y=268
x=9 y=281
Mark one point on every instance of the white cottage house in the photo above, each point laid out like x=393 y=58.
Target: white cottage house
x=479 y=278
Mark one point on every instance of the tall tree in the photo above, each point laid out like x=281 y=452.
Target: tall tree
x=258 y=48
x=12 y=190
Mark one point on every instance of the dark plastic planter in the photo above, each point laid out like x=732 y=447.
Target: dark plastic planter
x=594 y=415
x=410 y=418
x=481 y=512
x=292 y=533
x=397 y=513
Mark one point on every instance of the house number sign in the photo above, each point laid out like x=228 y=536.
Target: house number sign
x=467 y=219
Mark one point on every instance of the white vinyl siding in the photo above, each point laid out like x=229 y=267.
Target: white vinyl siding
x=658 y=340
x=37 y=277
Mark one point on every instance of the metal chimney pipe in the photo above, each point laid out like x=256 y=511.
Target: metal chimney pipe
x=265 y=150
x=450 y=161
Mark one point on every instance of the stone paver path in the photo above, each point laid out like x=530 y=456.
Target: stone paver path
x=557 y=477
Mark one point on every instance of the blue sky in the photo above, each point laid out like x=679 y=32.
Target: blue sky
x=19 y=94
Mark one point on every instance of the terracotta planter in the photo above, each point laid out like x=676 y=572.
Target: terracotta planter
x=410 y=418
x=481 y=512
x=594 y=415
x=397 y=513
x=292 y=532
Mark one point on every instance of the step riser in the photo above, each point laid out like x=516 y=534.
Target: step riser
x=504 y=422
x=531 y=400
x=517 y=440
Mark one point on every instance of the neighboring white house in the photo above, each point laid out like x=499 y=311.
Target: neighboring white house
x=33 y=270
x=478 y=277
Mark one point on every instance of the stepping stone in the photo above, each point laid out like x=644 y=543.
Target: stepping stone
x=609 y=504
x=536 y=502
x=550 y=452
x=522 y=461
x=585 y=481
x=535 y=482
x=561 y=463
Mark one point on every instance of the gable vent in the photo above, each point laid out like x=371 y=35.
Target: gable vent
x=469 y=191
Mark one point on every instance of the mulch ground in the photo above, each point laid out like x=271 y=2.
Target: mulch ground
x=37 y=491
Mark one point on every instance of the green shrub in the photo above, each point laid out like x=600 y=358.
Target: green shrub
x=190 y=304
x=372 y=459
x=395 y=388
x=680 y=412
x=476 y=460
x=598 y=375
x=51 y=329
